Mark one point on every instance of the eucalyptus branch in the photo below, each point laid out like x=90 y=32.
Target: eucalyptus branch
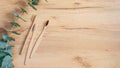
x=5 y=47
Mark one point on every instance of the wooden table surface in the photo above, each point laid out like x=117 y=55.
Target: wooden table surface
x=81 y=33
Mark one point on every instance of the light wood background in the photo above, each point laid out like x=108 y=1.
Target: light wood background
x=81 y=33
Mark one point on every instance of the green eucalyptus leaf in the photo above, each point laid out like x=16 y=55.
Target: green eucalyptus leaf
x=10 y=65
x=14 y=32
x=6 y=51
x=2 y=54
x=9 y=51
x=11 y=39
x=6 y=38
x=15 y=24
x=31 y=5
x=23 y=10
x=7 y=62
x=18 y=16
x=1 y=60
x=3 y=45
x=35 y=2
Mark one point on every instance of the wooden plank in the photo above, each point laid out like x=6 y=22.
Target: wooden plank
x=81 y=34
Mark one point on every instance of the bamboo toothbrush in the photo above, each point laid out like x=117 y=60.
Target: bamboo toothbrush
x=31 y=43
x=37 y=42
x=28 y=36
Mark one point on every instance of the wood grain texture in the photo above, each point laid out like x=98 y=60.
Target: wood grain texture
x=81 y=34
